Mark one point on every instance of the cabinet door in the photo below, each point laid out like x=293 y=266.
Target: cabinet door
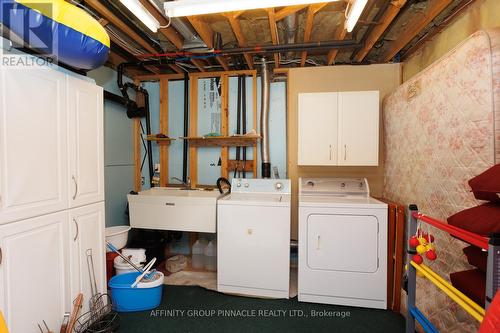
x=33 y=143
x=33 y=272
x=87 y=232
x=358 y=128
x=85 y=108
x=317 y=129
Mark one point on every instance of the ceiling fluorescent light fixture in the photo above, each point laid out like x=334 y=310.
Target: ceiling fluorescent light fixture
x=356 y=8
x=142 y=14
x=181 y=8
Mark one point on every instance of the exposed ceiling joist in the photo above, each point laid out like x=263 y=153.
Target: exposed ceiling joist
x=311 y=12
x=282 y=13
x=207 y=34
x=170 y=33
x=274 y=34
x=418 y=23
x=109 y=16
x=242 y=42
x=200 y=64
x=387 y=18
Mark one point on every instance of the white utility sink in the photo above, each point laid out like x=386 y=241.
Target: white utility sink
x=170 y=208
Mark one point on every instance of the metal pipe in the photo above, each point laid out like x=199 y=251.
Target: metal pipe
x=186 y=128
x=268 y=48
x=264 y=120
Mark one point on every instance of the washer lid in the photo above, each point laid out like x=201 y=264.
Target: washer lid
x=261 y=199
x=336 y=201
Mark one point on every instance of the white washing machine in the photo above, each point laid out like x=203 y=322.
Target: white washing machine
x=253 y=238
x=342 y=243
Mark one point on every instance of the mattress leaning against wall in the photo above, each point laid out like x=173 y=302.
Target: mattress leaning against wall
x=442 y=127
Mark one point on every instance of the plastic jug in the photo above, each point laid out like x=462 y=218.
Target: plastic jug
x=198 y=256
x=211 y=256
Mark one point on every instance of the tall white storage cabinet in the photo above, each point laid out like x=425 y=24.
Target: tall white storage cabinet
x=338 y=128
x=33 y=143
x=51 y=194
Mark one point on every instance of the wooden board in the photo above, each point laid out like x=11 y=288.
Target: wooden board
x=222 y=141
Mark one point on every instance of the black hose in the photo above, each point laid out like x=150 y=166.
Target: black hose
x=186 y=127
x=148 y=132
x=244 y=119
x=238 y=127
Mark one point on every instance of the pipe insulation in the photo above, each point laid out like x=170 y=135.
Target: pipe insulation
x=264 y=119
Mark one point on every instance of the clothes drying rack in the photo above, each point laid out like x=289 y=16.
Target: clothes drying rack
x=492 y=245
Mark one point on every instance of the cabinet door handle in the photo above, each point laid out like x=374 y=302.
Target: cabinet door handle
x=330 y=152
x=345 y=152
x=1 y=255
x=317 y=242
x=76 y=187
x=77 y=230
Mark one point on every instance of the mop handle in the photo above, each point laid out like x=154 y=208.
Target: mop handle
x=114 y=249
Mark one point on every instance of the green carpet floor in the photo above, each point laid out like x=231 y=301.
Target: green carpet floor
x=194 y=309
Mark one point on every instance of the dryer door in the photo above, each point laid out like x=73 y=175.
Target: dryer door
x=347 y=243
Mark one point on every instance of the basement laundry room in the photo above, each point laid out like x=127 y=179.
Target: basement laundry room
x=249 y=166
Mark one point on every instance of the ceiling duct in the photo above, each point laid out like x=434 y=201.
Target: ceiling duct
x=290 y=32
x=192 y=42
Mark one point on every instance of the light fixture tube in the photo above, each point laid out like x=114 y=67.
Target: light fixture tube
x=355 y=11
x=142 y=14
x=199 y=7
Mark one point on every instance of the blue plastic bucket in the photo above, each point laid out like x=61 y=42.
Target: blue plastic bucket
x=128 y=299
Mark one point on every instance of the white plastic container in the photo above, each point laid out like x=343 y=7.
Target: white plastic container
x=122 y=267
x=117 y=236
x=198 y=256
x=135 y=255
x=211 y=256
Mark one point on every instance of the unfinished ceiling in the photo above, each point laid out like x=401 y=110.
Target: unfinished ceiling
x=387 y=30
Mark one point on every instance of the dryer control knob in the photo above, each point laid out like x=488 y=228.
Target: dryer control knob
x=247 y=185
x=238 y=185
x=278 y=186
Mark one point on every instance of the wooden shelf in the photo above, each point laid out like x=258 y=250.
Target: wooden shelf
x=159 y=141
x=222 y=141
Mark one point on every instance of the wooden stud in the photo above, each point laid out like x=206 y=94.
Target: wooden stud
x=164 y=130
x=274 y=34
x=109 y=16
x=193 y=130
x=416 y=25
x=224 y=123
x=282 y=13
x=380 y=28
x=240 y=37
x=207 y=34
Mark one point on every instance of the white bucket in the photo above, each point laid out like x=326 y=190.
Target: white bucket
x=135 y=255
x=117 y=236
x=122 y=267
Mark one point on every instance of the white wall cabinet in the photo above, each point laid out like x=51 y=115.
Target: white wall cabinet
x=87 y=232
x=51 y=194
x=339 y=128
x=33 y=143
x=86 y=143
x=318 y=129
x=33 y=272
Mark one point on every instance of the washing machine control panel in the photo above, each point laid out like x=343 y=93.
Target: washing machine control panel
x=240 y=185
